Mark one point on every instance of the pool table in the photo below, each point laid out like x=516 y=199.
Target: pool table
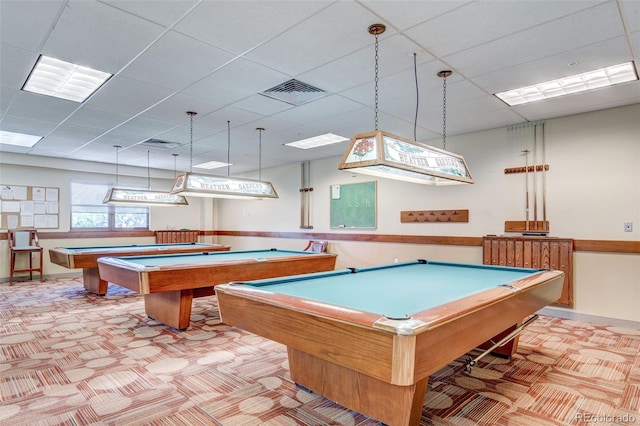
x=87 y=258
x=170 y=282
x=370 y=338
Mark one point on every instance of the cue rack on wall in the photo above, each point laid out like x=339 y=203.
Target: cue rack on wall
x=532 y=136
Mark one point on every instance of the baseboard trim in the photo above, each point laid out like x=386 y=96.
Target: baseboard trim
x=562 y=313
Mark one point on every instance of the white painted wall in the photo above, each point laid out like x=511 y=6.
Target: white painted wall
x=593 y=186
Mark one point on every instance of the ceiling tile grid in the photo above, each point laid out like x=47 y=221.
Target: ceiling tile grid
x=216 y=57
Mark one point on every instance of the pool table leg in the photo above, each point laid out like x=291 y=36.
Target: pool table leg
x=170 y=307
x=93 y=283
x=508 y=349
x=391 y=404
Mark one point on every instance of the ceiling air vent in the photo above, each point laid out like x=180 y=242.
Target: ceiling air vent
x=294 y=92
x=158 y=143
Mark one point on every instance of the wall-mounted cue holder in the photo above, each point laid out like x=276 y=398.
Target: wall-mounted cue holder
x=524 y=169
x=410 y=216
x=537 y=227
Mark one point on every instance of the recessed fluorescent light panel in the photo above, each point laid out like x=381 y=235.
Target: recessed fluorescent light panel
x=211 y=165
x=18 y=139
x=64 y=80
x=572 y=84
x=317 y=141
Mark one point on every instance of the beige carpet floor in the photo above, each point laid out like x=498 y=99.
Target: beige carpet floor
x=72 y=358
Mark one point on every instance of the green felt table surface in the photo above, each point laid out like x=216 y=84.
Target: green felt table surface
x=396 y=290
x=134 y=247
x=218 y=256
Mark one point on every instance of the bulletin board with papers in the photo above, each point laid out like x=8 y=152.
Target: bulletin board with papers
x=29 y=207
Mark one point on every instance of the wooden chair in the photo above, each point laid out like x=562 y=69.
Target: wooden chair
x=317 y=246
x=24 y=242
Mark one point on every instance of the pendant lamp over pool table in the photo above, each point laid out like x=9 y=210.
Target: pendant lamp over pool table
x=383 y=154
x=141 y=197
x=200 y=185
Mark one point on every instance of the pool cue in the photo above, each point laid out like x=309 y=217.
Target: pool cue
x=308 y=186
x=535 y=176
x=509 y=337
x=544 y=185
x=526 y=188
x=302 y=195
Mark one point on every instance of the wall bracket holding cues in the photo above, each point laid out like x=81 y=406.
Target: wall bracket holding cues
x=412 y=216
x=529 y=169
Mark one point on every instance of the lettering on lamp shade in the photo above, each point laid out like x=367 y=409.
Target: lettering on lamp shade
x=385 y=155
x=141 y=196
x=223 y=187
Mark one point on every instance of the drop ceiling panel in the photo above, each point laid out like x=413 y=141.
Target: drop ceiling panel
x=77 y=136
x=99 y=118
x=273 y=127
x=240 y=119
x=143 y=128
x=329 y=106
x=128 y=95
x=174 y=109
x=161 y=47
x=395 y=54
x=330 y=39
x=101 y=153
x=182 y=60
x=14 y=149
x=631 y=10
x=262 y=104
x=403 y=14
x=41 y=107
x=240 y=26
x=236 y=81
x=55 y=147
x=351 y=123
x=162 y=12
x=25 y=24
x=622 y=94
x=430 y=103
x=113 y=138
x=27 y=125
x=590 y=26
x=610 y=52
x=100 y=36
x=482 y=22
x=6 y=95
x=481 y=114
x=15 y=64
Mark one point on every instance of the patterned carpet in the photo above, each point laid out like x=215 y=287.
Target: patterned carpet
x=71 y=358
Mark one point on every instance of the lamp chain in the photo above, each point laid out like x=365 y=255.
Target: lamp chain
x=117 y=147
x=148 y=171
x=376 y=83
x=175 y=165
x=376 y=29
x=444 y=113
x=191 y=143
x=259 y=129
x=444 y=74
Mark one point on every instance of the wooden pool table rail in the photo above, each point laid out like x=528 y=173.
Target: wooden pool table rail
x=378 y=372
x=72 y=258
x=169 y=290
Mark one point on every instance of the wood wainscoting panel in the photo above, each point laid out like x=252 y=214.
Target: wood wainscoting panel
x=533 y=252
x=171 y=237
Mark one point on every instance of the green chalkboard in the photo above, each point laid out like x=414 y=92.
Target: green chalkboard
x=353 y=205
